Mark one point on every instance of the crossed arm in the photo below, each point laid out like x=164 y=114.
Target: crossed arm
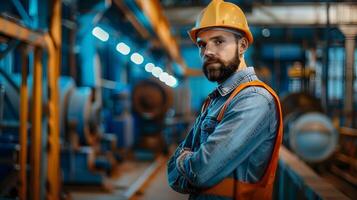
x=232 y=141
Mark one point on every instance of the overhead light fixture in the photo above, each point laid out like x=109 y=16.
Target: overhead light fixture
x=156 y=72
x=123 y=48
x=137 y=58
x=100 y=34
x=171 y=81
x=149 y=67
x=164 y=77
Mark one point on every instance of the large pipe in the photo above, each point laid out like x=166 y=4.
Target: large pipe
x=23 y=126
x=14 y=30
x=36 y=133
x=307 y=131
x=313 y=137
x=53 y=67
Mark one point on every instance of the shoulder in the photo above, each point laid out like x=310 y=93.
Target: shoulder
x=255 y=94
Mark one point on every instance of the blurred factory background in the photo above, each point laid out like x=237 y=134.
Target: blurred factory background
x=94 y=95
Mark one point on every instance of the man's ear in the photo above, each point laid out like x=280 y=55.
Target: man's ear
x=243 y=45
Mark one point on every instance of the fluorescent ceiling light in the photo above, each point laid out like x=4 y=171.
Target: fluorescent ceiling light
x=171 y=81
x=100 y=34
x=164 y=77
x=137 y=58
x=156 y=72
x=149 y=67
x=123 y=48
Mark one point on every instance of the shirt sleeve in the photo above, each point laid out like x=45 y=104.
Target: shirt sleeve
x=233 y=140
x=176 y=180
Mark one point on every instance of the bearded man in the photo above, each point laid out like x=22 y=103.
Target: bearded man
x=232 y=150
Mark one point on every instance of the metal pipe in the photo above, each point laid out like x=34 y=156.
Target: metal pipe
x=132 y=19
x=23 y=126
x=14 y=30
x=53 y=40
x=36 y=130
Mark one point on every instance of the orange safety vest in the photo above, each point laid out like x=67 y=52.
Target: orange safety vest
x=263 y=189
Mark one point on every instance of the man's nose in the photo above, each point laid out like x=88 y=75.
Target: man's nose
x=208 y=53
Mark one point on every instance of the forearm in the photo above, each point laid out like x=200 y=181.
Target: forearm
x=232 y=141
x=175 y=179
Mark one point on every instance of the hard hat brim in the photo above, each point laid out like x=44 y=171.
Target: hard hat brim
x=193 y=33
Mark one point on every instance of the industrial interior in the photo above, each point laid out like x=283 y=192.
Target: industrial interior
x=96 y=95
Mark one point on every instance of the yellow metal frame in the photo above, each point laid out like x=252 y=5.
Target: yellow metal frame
x=36 y=131
x=14 y=30
x=54 y=46
x=23 y=126
x=161 y=26
x=132 y=19
x=52 y=43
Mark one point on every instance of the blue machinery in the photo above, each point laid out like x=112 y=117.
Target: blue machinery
x=64 y=140
x=78 y=132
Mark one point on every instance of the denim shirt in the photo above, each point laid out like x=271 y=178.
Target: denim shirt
x=239 y=146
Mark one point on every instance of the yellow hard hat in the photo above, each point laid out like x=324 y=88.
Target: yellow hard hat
x=221 y=14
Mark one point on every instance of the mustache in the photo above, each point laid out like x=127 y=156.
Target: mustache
x=211 y=60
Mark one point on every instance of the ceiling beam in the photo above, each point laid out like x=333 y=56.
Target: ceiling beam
x=14 y=30
x=153 y=10
x=313 y=14
x=130 y=16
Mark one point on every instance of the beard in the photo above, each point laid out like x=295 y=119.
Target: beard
x=217 y=71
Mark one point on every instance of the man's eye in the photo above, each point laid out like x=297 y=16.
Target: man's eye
x=218 y=42
x=201 y=45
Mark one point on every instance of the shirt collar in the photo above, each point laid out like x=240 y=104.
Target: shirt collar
x=236 y=79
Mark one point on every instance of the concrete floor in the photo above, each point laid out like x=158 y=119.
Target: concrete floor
x=129 y=173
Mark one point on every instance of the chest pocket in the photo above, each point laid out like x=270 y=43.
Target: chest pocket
x=207 y=127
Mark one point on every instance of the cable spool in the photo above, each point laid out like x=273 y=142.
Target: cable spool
x=151 y=100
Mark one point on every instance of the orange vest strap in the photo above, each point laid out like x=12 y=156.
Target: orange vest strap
x=205 y=105
x=237 y=90
x=263 y=188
